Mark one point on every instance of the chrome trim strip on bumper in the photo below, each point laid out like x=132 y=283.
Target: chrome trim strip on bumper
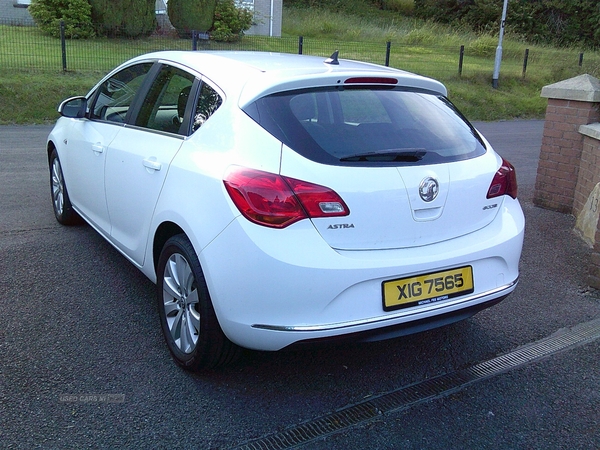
x=374 y=320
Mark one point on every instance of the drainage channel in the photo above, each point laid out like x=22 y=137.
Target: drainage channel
x=423 y=391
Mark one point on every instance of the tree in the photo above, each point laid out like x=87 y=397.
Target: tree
x=129 y=18
x=191 y=15
x=76 y=15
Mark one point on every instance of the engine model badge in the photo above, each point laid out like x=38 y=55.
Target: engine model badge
x=429 y=189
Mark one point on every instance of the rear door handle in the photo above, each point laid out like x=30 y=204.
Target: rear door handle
x=97 y=148
x=152 y=164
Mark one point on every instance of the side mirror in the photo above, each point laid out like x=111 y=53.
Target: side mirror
x=73 y=108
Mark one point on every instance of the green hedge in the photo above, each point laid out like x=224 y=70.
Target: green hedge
x=75 y=14
x=191 y=15
x=230 y=21
x=560 y=22
x=128 y=18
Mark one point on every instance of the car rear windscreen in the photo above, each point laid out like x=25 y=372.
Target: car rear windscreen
x=368 y=125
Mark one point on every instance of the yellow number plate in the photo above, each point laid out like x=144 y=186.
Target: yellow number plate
x=425 y=289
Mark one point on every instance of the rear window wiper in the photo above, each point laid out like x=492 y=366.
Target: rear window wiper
x=388 y=155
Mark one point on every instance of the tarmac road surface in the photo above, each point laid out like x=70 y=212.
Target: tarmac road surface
x=83 y=362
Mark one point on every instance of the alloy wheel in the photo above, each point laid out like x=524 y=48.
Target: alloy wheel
x=58 y=197
x=180 y=302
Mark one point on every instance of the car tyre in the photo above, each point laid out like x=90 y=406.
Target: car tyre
x=187 y=316
x=63 y=210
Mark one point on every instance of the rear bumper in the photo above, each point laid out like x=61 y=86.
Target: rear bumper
x=275 y=288
x=389 y=327
x=403 y=329
x=474 y=303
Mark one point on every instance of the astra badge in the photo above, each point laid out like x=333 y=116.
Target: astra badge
x=339 y=226
x=428 y=189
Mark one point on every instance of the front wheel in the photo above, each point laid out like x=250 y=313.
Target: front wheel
x=187 y=316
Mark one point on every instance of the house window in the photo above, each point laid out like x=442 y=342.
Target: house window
x=160 y=7
x=248 y=4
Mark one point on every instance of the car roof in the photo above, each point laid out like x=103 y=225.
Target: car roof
x=249 y=75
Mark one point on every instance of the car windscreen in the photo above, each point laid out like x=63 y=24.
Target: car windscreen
x=368 y=125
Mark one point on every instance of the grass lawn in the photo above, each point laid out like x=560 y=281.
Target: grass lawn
x=32 y=81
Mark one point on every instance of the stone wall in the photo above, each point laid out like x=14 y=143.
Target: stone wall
x=568 y=176
x=586 y=206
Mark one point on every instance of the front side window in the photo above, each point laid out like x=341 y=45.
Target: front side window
x=115 y=96
x=364 y=125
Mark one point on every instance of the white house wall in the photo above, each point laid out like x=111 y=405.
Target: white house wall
x=267 y=17
x=15 y=12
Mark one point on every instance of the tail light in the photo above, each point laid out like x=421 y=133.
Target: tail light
x=504 y=182
x=276 y=201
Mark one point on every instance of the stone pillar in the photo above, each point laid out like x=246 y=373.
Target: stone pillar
x=571 y=104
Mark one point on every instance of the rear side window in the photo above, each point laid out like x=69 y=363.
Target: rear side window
x=368 y=126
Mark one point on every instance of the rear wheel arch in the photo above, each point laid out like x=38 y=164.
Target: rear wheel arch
x=164 y=232
x=188 y=319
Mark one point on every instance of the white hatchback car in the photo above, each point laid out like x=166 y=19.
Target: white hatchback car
x=280 y=199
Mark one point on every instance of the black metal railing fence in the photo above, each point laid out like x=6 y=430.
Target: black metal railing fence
x=26 y=48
